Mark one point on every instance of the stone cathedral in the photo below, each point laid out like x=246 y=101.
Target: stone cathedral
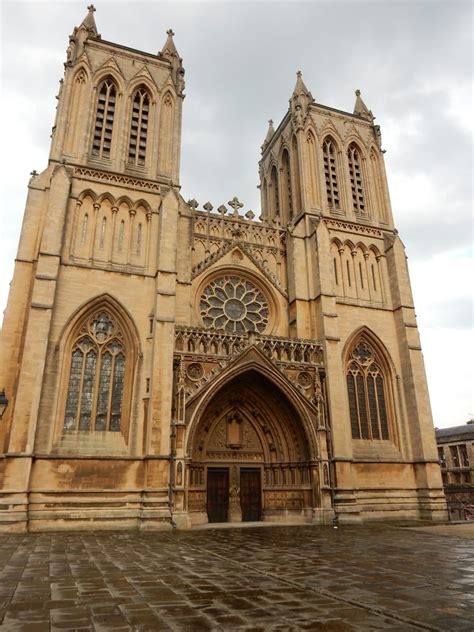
x=165 y=364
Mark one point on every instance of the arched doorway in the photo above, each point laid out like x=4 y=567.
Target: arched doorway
x=250 y=456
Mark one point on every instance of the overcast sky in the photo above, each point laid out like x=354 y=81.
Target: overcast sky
x=412 y=61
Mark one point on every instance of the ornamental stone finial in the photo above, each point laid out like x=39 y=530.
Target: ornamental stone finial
x=91 y=8
x=170 y=32
x=357 y=93
x=193 y=204
x=235 y=204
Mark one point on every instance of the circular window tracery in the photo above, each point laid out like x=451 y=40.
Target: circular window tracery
x=234 y=304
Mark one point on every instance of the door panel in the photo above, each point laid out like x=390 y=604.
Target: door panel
x=250 y=495
x=218 y=495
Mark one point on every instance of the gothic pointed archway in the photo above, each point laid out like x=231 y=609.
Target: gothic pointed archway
x=250 y=456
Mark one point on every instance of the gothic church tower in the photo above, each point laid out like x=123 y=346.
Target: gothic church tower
x=165 y=363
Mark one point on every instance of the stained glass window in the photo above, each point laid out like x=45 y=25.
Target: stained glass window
x=234 y=304
x=96 y=377
x=367 y=394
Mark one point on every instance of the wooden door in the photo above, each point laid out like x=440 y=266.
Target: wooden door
x=250 y=495
x=218 y=495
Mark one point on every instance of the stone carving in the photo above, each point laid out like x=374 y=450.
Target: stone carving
x=195 y=371
x=353 y=228
x=96 y=174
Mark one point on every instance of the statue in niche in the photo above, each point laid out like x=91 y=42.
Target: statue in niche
x=234 y=431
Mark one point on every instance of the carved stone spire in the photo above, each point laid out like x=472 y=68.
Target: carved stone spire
x=269 y=136
x=81 y=33
x=170 y=53
x=361 y=109
x=169 y=49
x=299 y=102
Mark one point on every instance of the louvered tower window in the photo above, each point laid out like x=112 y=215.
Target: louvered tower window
x=355 y=173
x=139 y=128
x=104 y=119
x=330 y=174
x=367 y=393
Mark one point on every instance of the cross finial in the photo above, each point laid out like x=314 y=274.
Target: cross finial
x=91 y=8
x=193 y=204
x=170 y=32
x=298 y=74
x=270 y=121
x=33 y=173
x=235 y=204
x=357 y=93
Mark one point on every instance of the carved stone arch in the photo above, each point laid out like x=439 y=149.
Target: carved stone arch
x=98 y=323
x=124 y=199
x=140 y=81
x=329 y=131
x=107 y=196
x=144 y=204
x=337 y=242
x=375 y=354
x=87 y=193
x=373 y=248
x=362 y=247
x=350 y=244
x=357 y=142
x=109 y=73
x=81 y=68
x=253 y=362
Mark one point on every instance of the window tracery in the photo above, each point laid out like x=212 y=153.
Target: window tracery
x=234 y=304
x=104 y=119
x=355 y=172
x=367 y=394
x=139 y=127
x=330 y=174
x=96 y=376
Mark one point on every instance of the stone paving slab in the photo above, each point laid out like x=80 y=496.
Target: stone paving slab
x=269 y=579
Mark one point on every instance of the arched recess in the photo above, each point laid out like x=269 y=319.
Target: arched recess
x=251 y=421
x=79 y=99
x=286 y=188
x=295 y=163
x=369 y=374
x=312 y=167
x=165 y=147
x=99 y=350
x=274 y=194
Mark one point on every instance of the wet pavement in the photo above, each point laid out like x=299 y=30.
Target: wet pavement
x=273 y=578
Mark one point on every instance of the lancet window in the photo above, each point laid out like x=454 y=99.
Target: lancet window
x=367 y=392
x=355 y=172
x=139 y=127
x=330 y=174
x=104 y=119
x=98 y=364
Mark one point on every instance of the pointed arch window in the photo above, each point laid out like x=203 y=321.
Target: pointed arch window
x=367 y=393
x=99 y=366
x=288 y=199
x=355 y=172
x=104 y=119
x=330 y=174
x=139 y=127
x=275 y=192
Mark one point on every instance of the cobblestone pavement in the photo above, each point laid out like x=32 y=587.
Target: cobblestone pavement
x=259 y=579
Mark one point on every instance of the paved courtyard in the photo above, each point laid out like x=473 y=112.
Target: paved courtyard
x=265 y=578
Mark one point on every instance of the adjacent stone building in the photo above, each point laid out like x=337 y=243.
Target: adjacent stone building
x=456 y=458
x=170 y=362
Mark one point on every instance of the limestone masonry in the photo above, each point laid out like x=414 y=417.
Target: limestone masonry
x=170 y=364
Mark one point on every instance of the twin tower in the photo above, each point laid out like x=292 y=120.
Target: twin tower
x=168 y=364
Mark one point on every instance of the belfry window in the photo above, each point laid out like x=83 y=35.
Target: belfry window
x=104 y=119
x=355 y=173
x=96 y=376
x=367 y=393
x=139 y=128
x=330 y=174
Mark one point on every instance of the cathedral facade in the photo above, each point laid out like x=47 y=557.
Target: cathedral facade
x=165 y=364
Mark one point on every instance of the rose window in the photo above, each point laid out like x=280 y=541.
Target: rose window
x=233 y=304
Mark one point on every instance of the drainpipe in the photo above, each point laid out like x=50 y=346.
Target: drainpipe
x=172 y=459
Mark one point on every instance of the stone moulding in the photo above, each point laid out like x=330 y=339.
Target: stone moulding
x=95 y=174
x=352 y=228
